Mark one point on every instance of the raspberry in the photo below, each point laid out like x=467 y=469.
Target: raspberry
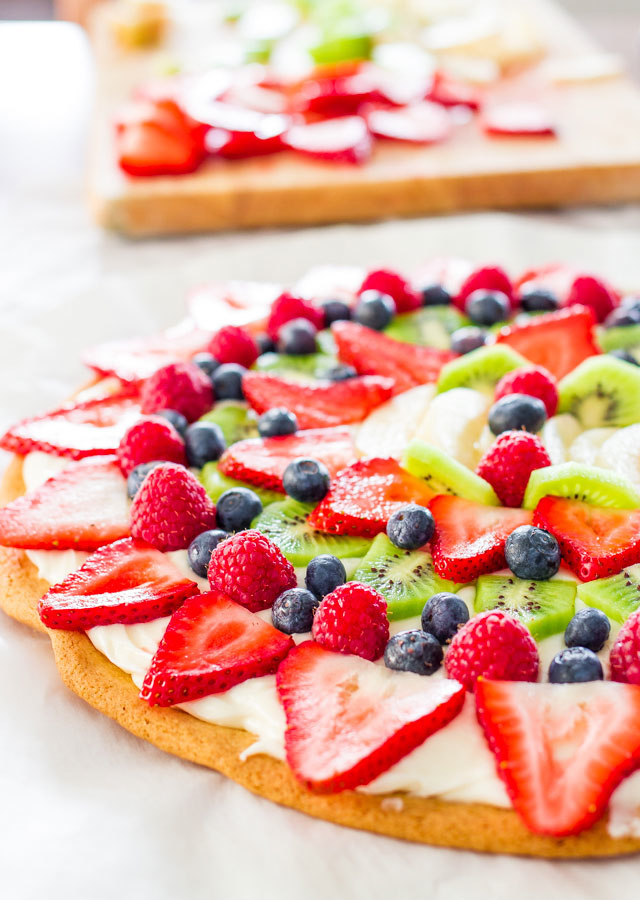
x=488 y=278
x=625 y=653
x=509 y=462
x=234 y=345
x=180 y=386
x=536 y=382
x=251 y=570
x=591 y=292
x=353 y=619
x=149 y=439
x=288 y=307
x=495 y=645
x=171 y=508
x=397 y=287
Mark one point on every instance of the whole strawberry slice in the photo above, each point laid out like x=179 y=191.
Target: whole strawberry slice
x=319 y=405
x=561 y=749
x=210 y=645
x=363 y=497
x=121 y=583
x=470 y=538
x=80 y=508
x=349 y=720
x=372 y=353
x=262 y=461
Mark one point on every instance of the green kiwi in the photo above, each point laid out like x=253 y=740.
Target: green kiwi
x=445 y=475
x=576 y=481
x=326 y=343
x=481 y=369
x=405 y=578
x=285 y=524
x=215 y=483
x=625 y=337
x=313 y=365
x=602 y=391
x=617 y=597
x=430 y=326
x=544 y=607
x=236 y=420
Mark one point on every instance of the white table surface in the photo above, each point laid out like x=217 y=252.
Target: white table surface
x=87 y=812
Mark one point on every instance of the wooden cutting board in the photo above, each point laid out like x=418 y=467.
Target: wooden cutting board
x=594 y=159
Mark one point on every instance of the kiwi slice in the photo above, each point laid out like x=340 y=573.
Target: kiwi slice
x=285 y=524
x=625 y=337
x=313 y=365
x=236 y=420
x=405 y=578
x=431 y=326
x=577 y=481
x=481 y=369
x=602 y=391
x=544 y=607
x=617 y=597
x=215 y=483
x=445 y=475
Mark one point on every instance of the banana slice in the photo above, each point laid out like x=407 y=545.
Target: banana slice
x=557 y=435
x=586 y=447
x=454 y=423
x=390 y=427
x=621 y=453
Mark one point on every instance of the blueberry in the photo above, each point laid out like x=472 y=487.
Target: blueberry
x=575 y=664
x=435 y=295
x=227 y=381
x=276 y=422
x=335 y=311
x=137 y=476
x=306 y=480
x=539 y=300
x=532 y=553
x=622 y=316
x=265 y=344
x=487 y=307
x=237 y=508
x=293 y=611
x=469 y=338
x=413 y=651
x=443 y=614
x=515 y=412
x=341 y=372
x=204 y=441
x=206 y=362
x=589 y=628
x=625 y=356
x=375 y=310
x=297 y=338
x=410 y=527
x=201 y=548
x=324 y=574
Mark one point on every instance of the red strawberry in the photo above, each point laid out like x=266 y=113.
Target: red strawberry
x=239 y=133
x=625 y=653
x=210 y=645
x=594 y=294
x=518 y=120
x=395 y=286
x=352 y=619
x=558 y=341
x=561 y=749
x=151 y=438
x=509 y=462
x=488 y=278
x=372 y=353
x=287 y=307
x=453 y=93
x=595 y=542
x=262 y=461
x=349 y=720
x=92 y=428
x=420 y=123
x=245 y=303
x=232 y=344
x=470 y=538
x=342 y=140
x=365 y=495
x=181 y=386
x=121 y=583
x=319 y=405
x=80 y=508
x=536 y=382
x=251 y=570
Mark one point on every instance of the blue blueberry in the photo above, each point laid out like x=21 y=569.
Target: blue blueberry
x=324 y=574
x=306 y=480
x=589 y=628
x=227 y=381
x=413 y=651
x=207 y=362
x=204 y=442
x=341 y=372
x=410 y=527
x=515 y=412
x=532 y=553
x=375 y=310
x=276 y=422
x=466 y=339
x=293 y=611
x=487 y=307
x=201 y=548
x=443 y=614
x=625 y=356
x=575 y=664
x=539 y=300
x=175 y=418
x=237 y=508
x=335 y=311
x=622 y=316
x=265 y=344
x=137 y=476
x=435 y=295
x=297 y=338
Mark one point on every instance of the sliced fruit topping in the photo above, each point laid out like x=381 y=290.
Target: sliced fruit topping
x=389 y=428
x=301 y=368
x=342 y=140
x=625 y=337
x=349 y=720
x=480 y=369
x=509 y=463
x=420 y=123
x=603 y=391
x=210 y=645
x=561 y=749
x=454 y=422
x=445 y=475
x=235 y=302
x=544 y=607
x=352 y=619
x=492 y=645
x=617 y=597
x=236 y=420
x=625 y=653
x=518 y=120
x=121 y=583
x=157 y=138
x=590 y=484
x=215 y=484
x=431 y=326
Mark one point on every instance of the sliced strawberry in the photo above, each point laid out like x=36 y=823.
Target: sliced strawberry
x=158 y=140
x=243 y=303
x=420 y=123
x=453 y=93
x=555 y=277
x=336 y=95
x=349 y=720
x=364 y=496
x=92 y=428
x=80 y=508
x=262 y=461
x=518 y=120
x=487 y=278
x=121 y=583
x=236 y=132
x=470 y=538
x=595 y=542
x=319 y=405
x=210 y=645
x=372 y=353
x=559 y=341
x=561 y=749
x=344 y=140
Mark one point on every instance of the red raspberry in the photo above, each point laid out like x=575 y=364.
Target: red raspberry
x=595 y=294
x=149 y=439
x=181 y=386
x=397 y=287
x=234 y=345
x=625 y=653
x=495 y=645
x=536 y=382
x=288 y=307
x=171 y=508
x=509 y=462
x=488 y=278
x=251 y=570
x=353 y=619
